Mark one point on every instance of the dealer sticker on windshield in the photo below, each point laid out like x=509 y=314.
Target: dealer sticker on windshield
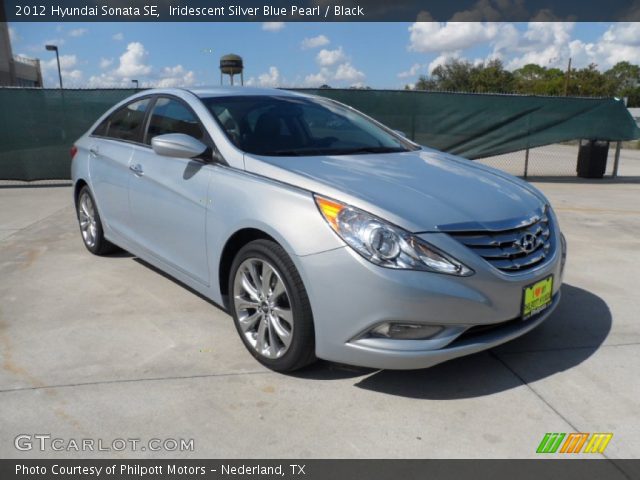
x=537 y=297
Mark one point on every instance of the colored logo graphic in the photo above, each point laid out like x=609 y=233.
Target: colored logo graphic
x=573 y=442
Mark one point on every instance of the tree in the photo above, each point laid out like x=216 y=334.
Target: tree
x=622 y=80
x=589 y=82
x=625 y=80
x=491 y=77
x=425 y=83
x=454 y=75
x=533 y=79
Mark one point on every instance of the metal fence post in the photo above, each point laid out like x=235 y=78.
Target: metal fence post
x=526 y=162
x=616 y=160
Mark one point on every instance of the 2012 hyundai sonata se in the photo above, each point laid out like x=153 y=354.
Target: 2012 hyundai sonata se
x=324 y=233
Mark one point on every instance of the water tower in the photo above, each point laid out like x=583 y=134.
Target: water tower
x=231 y=65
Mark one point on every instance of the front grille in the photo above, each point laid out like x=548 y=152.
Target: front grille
x=514 y=249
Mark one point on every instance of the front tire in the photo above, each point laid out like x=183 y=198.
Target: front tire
x=91 y=225
x=270 y=307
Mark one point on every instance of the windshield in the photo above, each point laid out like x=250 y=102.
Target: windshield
x=298 y=126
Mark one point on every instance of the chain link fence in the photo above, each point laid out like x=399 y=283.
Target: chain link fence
x=556 y=160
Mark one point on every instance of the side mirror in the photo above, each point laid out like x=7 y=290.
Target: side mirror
x=177 y=145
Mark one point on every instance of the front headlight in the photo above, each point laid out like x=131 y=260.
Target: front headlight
x=384 y=244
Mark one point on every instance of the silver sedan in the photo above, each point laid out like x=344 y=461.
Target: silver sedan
x=324 y=233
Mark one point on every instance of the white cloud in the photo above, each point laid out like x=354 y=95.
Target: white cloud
x=508 y=37
x=106 y=80
x=327 y=58
x=71 y=76
x=621 y=42
x=75 y=75
x=412 y=72
x=272 y=26
x=13 y=35
x=176 y=77
x=627 y=33
x=118 y=36
x=133 y=62
x=549 y=44
x=67 y=62
x=441 y=60
x=317 y=79
x=271 y=78
x=78 y=32
x=314 y=42
x=451 y=36
x=335 y=66
x=349 y=73
x=54 y=41
x=543 y=43
x=106 y=62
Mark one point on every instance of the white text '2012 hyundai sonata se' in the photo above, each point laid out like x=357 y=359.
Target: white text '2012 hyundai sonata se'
x=324 y=233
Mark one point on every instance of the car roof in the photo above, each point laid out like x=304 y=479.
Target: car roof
x=206 y=92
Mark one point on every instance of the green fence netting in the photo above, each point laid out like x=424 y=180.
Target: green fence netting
x=482 y=125
x=38 y=126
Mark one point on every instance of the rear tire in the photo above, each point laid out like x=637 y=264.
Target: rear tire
x=270 y=307
x=91 y=225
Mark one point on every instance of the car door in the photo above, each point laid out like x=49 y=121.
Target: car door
x=110 y=150
x=168 y=195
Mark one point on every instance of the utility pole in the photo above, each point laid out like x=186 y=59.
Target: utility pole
x=566 y=79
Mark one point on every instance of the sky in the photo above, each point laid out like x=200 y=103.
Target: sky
x=378 y=55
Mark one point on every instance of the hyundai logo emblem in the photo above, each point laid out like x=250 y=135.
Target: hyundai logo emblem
x=527 y=243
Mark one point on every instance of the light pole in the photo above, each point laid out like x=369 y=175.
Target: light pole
x=54 y=48
x=136 y=83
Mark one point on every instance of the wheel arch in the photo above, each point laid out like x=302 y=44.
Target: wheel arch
x=80 y=183
x=231 y=248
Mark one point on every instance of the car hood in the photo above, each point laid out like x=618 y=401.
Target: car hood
x=421 y=191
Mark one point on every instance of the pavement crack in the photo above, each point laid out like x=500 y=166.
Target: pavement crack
x=554 y=409
x=133 y=380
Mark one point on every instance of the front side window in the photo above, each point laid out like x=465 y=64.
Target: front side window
x=125 y=123
x=172 y=116
x=299 y=126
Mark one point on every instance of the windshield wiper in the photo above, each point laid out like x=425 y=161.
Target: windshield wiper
x=293 y=153
x=350 y=151
x=328 y=151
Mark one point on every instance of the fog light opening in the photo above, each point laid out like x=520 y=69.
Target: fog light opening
x=405 y=331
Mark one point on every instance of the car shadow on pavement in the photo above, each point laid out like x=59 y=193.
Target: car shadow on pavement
x=567 y=338
x=324 y=370
x=177 y=282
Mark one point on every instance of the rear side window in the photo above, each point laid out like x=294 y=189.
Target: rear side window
x=125 y=123
x=172 y=116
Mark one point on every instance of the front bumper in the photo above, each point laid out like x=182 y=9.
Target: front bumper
x=349 y=296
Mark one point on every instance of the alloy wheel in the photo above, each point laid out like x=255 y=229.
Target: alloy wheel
x=263 y=308
x=87 y=218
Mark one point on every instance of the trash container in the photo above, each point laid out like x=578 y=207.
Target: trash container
x=592 y=158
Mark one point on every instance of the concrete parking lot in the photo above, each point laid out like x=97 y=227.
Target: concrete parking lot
x=107 y=348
